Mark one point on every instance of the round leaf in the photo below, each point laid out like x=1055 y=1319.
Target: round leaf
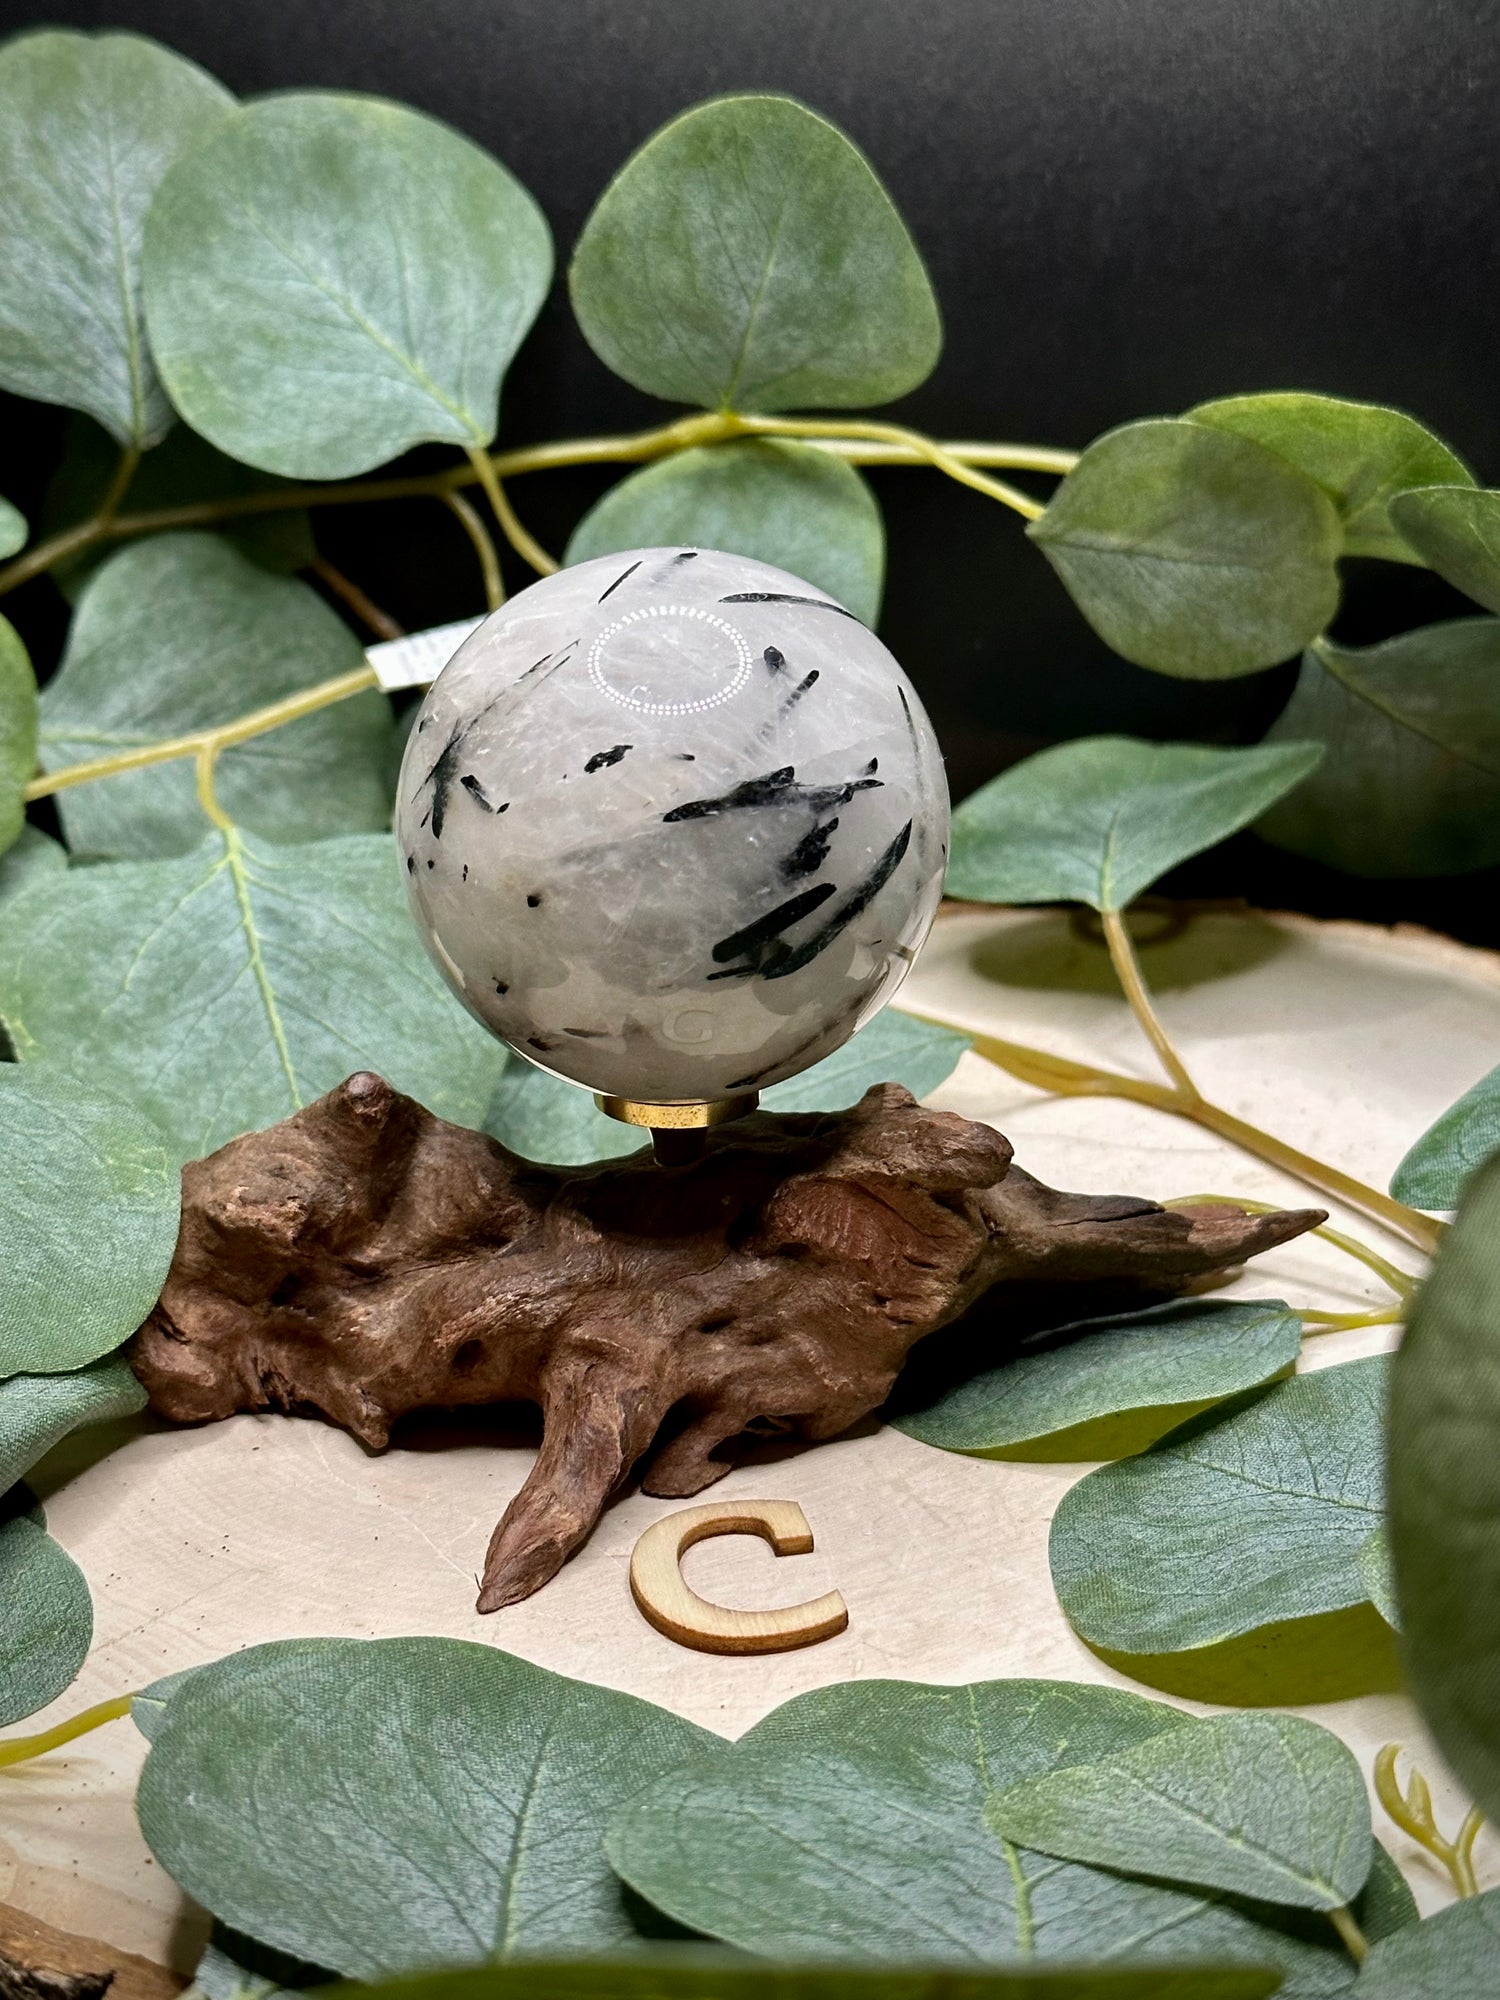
x=330 y=280
x=783 y=503
x=1267 y=1806
x=1241 y=1518
x=1193 y=551
x=1456 y=531
x=1452 y=1148
x=46 y=1618
x=1098 y=820
x=375 y=1806
x=224 y=989
x=13 y=529
x=34 y=856
x=90 y=1205
x=1450 y=1956
x=1145 y=1370
x=18 y=732
x=857 y=1823
x=748 y=258
x=89 y=124
x=36 y=1411
x=1411 y=782
x=182 y=633
x=1445 y=1492
x=1362 y=455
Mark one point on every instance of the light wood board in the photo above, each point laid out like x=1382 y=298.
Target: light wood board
x=1345 y=1039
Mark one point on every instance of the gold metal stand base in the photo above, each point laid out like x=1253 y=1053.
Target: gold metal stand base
x=696 y=1116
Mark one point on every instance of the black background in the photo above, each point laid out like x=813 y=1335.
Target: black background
x=1126 y=206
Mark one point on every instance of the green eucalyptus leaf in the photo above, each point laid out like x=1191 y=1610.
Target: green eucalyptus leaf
x=1098 y=820
x=380 y=1805
x=1247 y=1516
x=1268 y=1806
x=1363 y=455
x=1456 y=531
x=855 y=1823
x=331 y=279
x=223 y=989
x=1452 y=1148
x=183 y=633
x=184 y=470
x=748 y=258
x=13 y=529
x=1450 y=1956
x=783 y=503
x=1411 y=782
x=37 y=1411
x=89 y=124
x=33 y=857
x=1104 y=1388
x=543 y=1117
x=1375 y=1571
x=1445 y=1492
x=46 y=1617
x=695 y=1975
x=1192 y=551
x=235 y=1967
x=89 y=1201
x=18 y=732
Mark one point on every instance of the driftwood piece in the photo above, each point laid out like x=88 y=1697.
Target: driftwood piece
x=363 y=1259
x=40 y=1963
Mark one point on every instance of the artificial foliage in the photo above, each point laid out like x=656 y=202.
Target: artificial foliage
x=246 y=308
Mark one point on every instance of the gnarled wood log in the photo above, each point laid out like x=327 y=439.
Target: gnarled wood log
x=363 y=1259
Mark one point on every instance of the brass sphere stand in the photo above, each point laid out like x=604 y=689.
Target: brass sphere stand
x=677 y=1129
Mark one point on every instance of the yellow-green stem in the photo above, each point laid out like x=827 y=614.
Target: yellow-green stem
x=20 y=1749
x=207 y=797
x=525 y=544
x=1355 y=1942
x=484 y=548
x=896 y=434
x=1128 y=971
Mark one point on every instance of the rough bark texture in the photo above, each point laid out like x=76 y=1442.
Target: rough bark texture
x=364 y=1259
x=40 y=1963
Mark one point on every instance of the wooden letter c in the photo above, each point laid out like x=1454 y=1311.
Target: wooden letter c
x=657 y=1583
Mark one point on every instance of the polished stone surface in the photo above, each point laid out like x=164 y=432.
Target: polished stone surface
x=673 y=824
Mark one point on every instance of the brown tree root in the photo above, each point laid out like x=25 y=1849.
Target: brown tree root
x=364 y=1259
x=40 y=1963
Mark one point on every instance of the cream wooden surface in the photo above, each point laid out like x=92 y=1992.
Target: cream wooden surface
x=1344 y=1039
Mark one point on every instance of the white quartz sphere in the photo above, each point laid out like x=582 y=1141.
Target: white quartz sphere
x=673 y=824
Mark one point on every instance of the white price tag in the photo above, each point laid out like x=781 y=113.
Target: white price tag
x=420 y=657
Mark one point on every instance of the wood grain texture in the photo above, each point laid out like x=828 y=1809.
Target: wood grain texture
x=38 y=1962
x=670 y=1603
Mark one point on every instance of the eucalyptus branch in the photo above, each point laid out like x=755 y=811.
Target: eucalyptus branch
x=20 y=1749
x=1355 y=1941
x=364 y=607
x=1412 y=1812
x=896 y=434
x=484 y=548
x=1128 y=970
x=525 y=544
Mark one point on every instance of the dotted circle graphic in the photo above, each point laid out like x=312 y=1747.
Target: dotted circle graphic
x=629 y=699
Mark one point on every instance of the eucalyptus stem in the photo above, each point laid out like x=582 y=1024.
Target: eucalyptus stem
x=20 y=1749
x=484 y=548
x=208 y=798
x=1412 y=1812
x=349 y=593
x=1355 y=1941
x=926 y=447
x=525 y=544
x=1128 y=970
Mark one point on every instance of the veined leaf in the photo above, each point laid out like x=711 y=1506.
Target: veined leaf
x=1244 y=1517
x=1260 y=1805
x=37 y=1411
x=223 y=989
x=13 y=529
x=1453 y=1147
x=1098 y=820
x=18 y=726
x=748 y=258
x=1450 y=1956
x=1363 y=455
x=1411 y=782
x=183 y=633
x=89 y=1201
x=1445 y=1492
x=1104 y=1388
x=542 y=1117
x=1376 y=1573
x=330 y=280
x=1192 y=551
x=1456 y=531
x=46 y=1616
x=34 y=855
x=780 y=502
x=854 y=1823
x=89 y=124
x=380 y=1805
